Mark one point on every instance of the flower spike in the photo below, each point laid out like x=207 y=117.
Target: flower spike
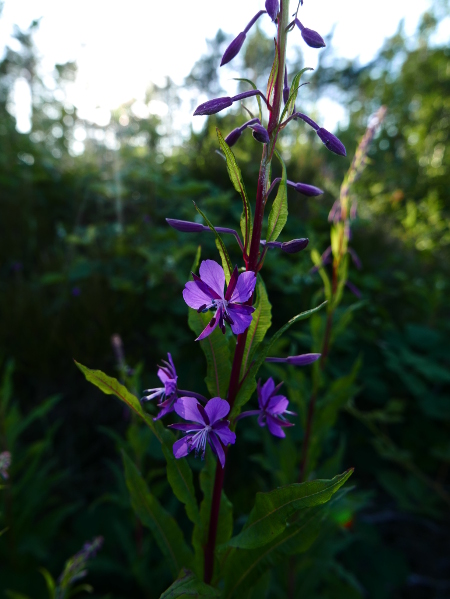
x=236 y=45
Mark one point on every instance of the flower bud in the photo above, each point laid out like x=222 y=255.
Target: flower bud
x=331 y=142
x=294 y=246
x=305 y=189
x=233 y=136
x=311 y=37
x=302 y=360
x=213 y=106
x=233 y=49
x=185 y=226
x=272 y=8
x=260 y=134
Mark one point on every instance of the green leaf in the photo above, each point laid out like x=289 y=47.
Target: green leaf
x=248 y=385
x=257 y=97
x=235 y=175
x=226 y=262
x=317 y=260
x=187 y=585
x=243 y=568
x=51 y=585
x=295 y=86
x=165 y=530
x=217 y=353
x=271 y=511
x=81 y=588
x=179 y=473
x=271 y=83
x=262 y=319
x=225 y=525
x=279 y=212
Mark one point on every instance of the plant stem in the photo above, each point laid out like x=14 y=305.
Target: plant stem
x=251 y=264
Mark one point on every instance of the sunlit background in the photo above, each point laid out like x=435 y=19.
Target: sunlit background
x=120 y=49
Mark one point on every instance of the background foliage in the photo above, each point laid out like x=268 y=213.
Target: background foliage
x=86 y=254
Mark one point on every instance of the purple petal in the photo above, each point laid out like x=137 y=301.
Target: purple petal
x=232 y=284
x=216 y=409
x=213 y=106
x=272 y=8
x=209 y=327
x=186 y=407
x=203 y=414
x=233 y=49
x=265 y=392
x=217 y=448
x=331 y=142
x=186 y=426
x=275 y=428
x=244 y=287
x=222 y=430
x=277 y=404
x=241 y=318
x=212 y=274
x=181 y=447
x=194 y=296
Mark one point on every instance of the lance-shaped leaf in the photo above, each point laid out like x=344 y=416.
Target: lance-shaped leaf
x=235 y=175
x=165 y=530
x=225 y=525
x=187 y=585
x=290 y=104
x=262 y=319
x=271 y=511
x=271 y=84
x=179 y=473
x=257 y=97
x=217 y=353
x=248 y=385
x=226 y=262
x=279 y=213
x=244 y=567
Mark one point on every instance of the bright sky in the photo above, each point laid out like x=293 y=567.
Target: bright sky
x=122 y=46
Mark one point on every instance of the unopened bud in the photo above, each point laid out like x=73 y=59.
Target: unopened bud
x=260 y=134
x=233 y=136
x=233 y=49
x=305 y=189
x=185 y=226
x=272 y=8
x=310 y=37
x=331 y=142
x=295 y=245
x=213 y=106
x=302 y=360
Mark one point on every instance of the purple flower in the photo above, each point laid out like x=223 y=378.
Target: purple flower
x=306 y=189
x=311 y=37
x=167 y=395
x=206 y=292
x=272 y=8
x=272 y=408
x=186 y=226
x=234 y=135
x=206 y=426
x=331 y=142
x=236 y=45
x=5 y=463
x=213 y=106
x=302 y=360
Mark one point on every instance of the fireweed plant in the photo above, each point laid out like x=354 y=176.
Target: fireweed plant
x=230 y=314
